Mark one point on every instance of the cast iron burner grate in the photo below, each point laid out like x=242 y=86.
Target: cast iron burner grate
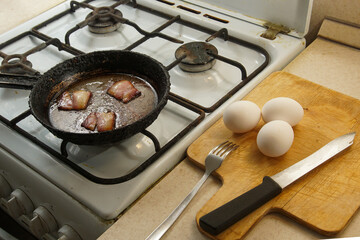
x=108 y=19
x=23 y=67
x=104 y=23
x=62 y=154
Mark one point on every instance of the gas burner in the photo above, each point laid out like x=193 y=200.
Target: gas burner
x=194 y=56
x=16 y=64
x=101 y=20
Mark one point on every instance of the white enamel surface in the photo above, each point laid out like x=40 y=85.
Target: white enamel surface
x=294 y=14
x=118 y=159
x=196 y=86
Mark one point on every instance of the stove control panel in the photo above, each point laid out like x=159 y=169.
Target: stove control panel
x=66 y=232
x=39 y=221
x=41 y=208
x=17 y=203
x=44 y=226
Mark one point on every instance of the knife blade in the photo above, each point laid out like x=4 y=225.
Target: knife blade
x=226 y=215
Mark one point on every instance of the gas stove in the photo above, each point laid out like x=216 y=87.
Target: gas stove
x=54 y=188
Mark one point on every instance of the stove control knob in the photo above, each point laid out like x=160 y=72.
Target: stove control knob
x=66 y=232
x=17 y=204
x=5 y=188
x=42 y=222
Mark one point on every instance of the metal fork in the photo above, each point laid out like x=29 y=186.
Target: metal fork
x=212 y=162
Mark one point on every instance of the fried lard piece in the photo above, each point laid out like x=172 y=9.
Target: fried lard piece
x=124 y=91
x=90 y=122
x=78 y=100
x=81 y=99
x=65 y=101
x=105 y=121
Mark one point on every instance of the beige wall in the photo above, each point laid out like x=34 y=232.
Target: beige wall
x=12 y=15
x=347 y=10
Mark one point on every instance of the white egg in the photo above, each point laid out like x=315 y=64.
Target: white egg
x=241 y=116
x=283 y=108
x=275 y=138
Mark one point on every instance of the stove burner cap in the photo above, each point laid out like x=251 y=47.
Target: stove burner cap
x=16 y=64
x=196 y=55
x=103 y=22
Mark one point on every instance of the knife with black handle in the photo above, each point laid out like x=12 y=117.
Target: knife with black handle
x=223 y=217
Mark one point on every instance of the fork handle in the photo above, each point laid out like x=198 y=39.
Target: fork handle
x=168 y=222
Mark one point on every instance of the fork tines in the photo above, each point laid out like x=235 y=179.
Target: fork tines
x=224 y=149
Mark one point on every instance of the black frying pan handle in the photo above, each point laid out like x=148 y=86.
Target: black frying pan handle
x=18 y=81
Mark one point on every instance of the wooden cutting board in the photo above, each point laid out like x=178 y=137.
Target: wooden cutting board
x=323 y=200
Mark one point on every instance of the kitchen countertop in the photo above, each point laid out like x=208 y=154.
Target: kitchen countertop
x=11 y=15
x=326 y=62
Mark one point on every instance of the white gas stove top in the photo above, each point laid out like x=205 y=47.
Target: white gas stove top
x=96 y=183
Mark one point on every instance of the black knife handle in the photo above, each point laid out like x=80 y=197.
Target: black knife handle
x=223 y=217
